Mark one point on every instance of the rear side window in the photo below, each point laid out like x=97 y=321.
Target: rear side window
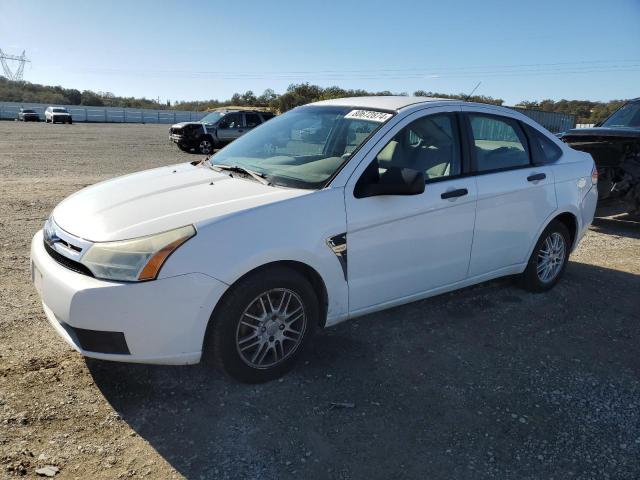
x=252 y=120
x=545 y=151
x=498 y=142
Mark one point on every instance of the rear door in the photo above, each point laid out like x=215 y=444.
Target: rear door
x=515 y=196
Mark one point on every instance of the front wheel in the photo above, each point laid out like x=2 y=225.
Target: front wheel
x=548 y=260
x=261 y=326
x=205 y=145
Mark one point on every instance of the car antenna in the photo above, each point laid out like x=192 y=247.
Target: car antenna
x=474 y=89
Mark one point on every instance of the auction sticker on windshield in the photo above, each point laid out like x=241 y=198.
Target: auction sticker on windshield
x=369 y=115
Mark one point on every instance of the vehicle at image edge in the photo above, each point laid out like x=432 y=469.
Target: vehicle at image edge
x=330 y=211
x=615 y=147
x=215 y=129
x=57 y=115
x=28 y=115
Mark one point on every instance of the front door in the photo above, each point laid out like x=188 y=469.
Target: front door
x=230 y=127
x=401 y=246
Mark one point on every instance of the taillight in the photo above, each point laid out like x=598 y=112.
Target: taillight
x=594 y=175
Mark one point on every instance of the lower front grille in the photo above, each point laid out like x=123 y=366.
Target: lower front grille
x=67 y=262
x=100 y=341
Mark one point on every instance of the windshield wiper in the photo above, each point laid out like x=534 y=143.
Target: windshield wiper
x=260 y=177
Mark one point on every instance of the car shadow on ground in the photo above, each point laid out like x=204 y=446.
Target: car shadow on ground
x=489 y=381
x=627 y=225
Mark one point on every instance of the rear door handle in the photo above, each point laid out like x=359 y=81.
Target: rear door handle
x=536 y=176
x=460 y=192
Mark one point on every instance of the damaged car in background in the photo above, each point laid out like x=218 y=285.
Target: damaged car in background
x=216 y=129
x=614 y=145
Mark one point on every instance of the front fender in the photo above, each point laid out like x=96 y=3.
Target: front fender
x=295 y=229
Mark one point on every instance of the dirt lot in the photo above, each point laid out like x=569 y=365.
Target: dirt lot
x=489 y=382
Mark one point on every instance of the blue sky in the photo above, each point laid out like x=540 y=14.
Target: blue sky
x=189 y=50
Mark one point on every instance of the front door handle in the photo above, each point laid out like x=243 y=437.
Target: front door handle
x=460 y=192
x=536 y=176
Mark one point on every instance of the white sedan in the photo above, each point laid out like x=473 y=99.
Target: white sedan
x=333 y=210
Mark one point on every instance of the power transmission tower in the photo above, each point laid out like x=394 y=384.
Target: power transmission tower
x=22 y=59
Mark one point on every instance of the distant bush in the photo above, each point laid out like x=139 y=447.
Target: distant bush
x=296 y=94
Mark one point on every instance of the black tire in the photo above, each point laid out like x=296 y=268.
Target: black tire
x=206 y=145
x=530 y=279
x=224 y=339
x=70 y=122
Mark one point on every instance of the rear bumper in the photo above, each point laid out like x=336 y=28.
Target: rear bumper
x=162 y=321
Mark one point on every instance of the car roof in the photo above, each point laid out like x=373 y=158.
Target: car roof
x=382 y=102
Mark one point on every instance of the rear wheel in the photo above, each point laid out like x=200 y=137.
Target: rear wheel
x=259 y=330
x=548 y=260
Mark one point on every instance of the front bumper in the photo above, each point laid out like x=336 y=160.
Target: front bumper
x=162 y=321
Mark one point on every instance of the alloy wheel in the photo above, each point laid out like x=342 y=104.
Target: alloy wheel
x=551 y=257
x=271 y=328
x=205 y=146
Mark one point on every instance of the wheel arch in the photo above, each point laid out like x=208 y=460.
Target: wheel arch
x=310 y=273
x=568 y=219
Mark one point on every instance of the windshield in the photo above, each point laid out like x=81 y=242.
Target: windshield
x=627 y=116
x=304 y=147
x=28 y=111
x=212 y=117
x=60 y=110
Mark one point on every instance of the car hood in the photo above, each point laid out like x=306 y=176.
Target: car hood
x=602 y=132
x=183 y=124
x=161 y=199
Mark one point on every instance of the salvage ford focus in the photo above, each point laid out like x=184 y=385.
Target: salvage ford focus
x=333 y=210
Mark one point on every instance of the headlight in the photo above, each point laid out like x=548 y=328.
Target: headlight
x=135 y=260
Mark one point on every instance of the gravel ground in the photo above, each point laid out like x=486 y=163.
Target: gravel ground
x=487 y=382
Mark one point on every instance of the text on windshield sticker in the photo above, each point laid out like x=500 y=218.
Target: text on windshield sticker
x=370 y=115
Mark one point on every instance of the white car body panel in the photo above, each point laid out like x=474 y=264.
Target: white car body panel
x=405 y=245
x=400 y=248
x=127 y=207
x=509 y=211
x=164 y=320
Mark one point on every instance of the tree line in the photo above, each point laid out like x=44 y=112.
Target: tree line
x=586 y=111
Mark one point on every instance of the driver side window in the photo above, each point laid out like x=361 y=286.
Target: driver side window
x=231 y=120
x=429 y=145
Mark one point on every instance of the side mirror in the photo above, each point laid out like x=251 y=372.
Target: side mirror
x=395 y=181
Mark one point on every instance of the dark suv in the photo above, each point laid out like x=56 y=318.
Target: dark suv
x=215 y=129
x=28 y=115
